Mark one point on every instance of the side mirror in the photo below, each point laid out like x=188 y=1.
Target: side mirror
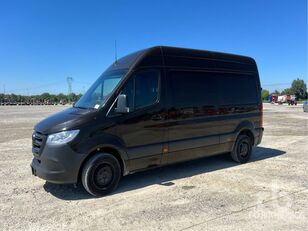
x=122 y=105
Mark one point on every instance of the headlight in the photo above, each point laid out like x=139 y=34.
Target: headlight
x=62 y=137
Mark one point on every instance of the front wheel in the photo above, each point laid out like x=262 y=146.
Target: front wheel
x=242 y=149
x=101 y=174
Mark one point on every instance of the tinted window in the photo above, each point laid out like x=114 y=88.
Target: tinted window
x=142 y=89
x=192 y=89
x=129 y=92
x=237 y=88
x=146 y=88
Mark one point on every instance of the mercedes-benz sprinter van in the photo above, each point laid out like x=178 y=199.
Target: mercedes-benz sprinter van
x=154 y=107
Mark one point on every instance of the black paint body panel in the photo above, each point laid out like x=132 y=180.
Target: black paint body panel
x=159 y=134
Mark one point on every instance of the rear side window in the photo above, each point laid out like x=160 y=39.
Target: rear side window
x=192 y=89
x=237 y=89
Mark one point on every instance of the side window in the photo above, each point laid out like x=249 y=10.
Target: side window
x=128 y=90
x=192 y=89
x=237 y=89
x=142 y=89
x=146 y=88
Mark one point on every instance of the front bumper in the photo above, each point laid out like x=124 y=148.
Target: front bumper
x=57 y=164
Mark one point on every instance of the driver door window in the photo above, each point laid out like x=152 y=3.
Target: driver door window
x=142 y=89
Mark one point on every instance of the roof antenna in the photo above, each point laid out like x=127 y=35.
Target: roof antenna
x=115 y=52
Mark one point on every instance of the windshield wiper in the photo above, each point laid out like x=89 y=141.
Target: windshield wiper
x=81 y=107
x=85 y=108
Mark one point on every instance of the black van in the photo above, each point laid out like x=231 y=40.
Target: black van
x=154 y=107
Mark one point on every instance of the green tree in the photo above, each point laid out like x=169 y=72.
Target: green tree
x=61 y=96
x=79 y=96
x=45 y=96
x=299 y=88
x=13 y=98
x=287 y=91
x=52 y=98
x=264 y=94
x=72 y=97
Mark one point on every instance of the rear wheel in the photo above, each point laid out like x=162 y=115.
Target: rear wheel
x=101 y=174
x=242 y=149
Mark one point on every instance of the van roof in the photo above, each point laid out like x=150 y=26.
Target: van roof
x=195 y=53
x=157 y=52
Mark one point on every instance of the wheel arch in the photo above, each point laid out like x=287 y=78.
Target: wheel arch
x=110 y=149
x=245 y=128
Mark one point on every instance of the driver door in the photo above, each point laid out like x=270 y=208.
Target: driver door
x=141 y=129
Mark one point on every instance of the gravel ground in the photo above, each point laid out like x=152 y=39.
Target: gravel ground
x=268 y=193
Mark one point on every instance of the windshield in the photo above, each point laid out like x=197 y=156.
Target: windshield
x=100 y=91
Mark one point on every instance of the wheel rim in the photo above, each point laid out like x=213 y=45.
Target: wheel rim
x=243 y=149
x=103 y=176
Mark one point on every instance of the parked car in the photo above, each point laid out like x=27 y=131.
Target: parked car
x=154 y=107
x=305 y=106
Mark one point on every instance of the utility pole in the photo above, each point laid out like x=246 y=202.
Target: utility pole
x=4 y=89
x=69 y=84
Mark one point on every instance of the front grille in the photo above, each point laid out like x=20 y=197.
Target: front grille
x=38 y=141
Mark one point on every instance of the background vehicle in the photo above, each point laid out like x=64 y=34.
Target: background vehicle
x=305 y=106
x=282 y=99
x=273 y=98
x=289 y=99
x=151 y=108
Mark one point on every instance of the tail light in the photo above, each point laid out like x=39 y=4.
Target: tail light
x=261 y=115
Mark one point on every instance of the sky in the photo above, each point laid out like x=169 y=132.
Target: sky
x=43 y=42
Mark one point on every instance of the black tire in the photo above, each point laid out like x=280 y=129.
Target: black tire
x=242 y=149
x=101 y=174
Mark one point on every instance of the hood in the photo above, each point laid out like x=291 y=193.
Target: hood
x=68 y=119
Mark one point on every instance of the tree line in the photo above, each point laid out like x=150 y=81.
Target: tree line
x=298 y=88
x=45 y=98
